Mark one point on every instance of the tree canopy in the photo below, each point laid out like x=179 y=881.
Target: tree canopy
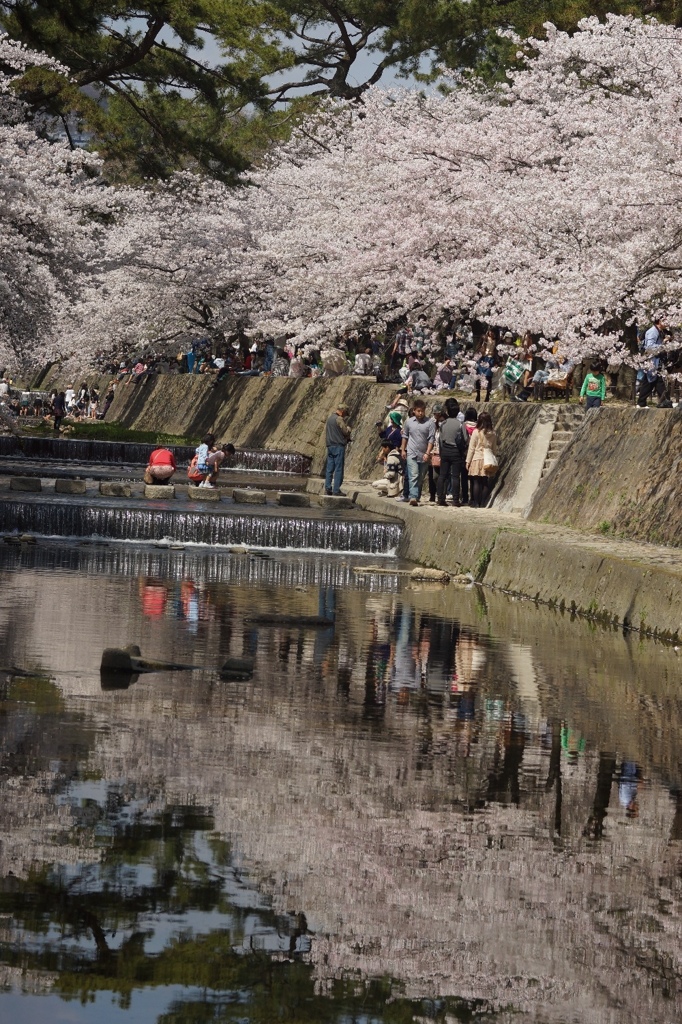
x=201 y=84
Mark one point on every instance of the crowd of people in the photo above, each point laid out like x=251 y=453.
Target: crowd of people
x=456 y=451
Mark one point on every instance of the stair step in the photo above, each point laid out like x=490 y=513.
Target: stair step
x=562 y=435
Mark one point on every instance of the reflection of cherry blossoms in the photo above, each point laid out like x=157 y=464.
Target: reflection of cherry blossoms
x=552 y=203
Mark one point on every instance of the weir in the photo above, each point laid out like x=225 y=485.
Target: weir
x=125 y=452
x=146 y=524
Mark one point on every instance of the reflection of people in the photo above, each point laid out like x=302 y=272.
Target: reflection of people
x=628 y=784
x=154 y=596
x=160 y=467
x=189 y=600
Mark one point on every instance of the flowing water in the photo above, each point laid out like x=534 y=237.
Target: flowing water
x=444 y=806
x=145 y=521
x=129 y=453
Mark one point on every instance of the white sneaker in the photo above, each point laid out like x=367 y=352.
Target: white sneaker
x=401 y=498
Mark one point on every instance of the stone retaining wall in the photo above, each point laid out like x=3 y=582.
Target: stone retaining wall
x=287 y=414
x=620 y=475
x=619 y=583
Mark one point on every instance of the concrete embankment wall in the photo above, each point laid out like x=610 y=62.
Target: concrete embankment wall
x=286 y=414
x=616 y=583
x=620 y=474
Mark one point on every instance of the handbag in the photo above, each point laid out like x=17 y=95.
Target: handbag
x=193 y=473
x=490 y=463
x=435 y=459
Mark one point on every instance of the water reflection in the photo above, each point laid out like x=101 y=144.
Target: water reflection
x=437 y=806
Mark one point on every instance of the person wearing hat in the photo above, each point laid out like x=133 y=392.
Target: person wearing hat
x=391 y=435
x=337 y=438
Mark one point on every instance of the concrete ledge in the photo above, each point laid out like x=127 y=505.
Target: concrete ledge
x=114 y=489
x=245 y=496
x=159 y=491
x=69 y=486
x=25 y=483
x=203 y=494
x=293 y=499
x=615 y=582
x=331 y=501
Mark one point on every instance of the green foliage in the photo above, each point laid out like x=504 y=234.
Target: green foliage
x=482 y=564
x=98 y=431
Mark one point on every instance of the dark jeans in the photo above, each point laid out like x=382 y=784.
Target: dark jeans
x=592 y=402
x=450 y=470
x=336 y=454
x=464 y=483
x=647 y=387
x=434 y=476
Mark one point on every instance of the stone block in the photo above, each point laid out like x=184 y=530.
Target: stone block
x=246 y=496
x=25 y=483
x=114 y=489
x=203 y=494
x=159 y=491
x=69 y=486
x=294 y=499
x=331 y=501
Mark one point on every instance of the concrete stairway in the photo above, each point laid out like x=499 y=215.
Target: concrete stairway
x=567 y=421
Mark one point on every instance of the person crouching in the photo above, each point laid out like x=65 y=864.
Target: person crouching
x=205 y=466
x=160 y=467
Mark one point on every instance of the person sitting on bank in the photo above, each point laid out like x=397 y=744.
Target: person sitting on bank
x=337 y=437
x=160 y=467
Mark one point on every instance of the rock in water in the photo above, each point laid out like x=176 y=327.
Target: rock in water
x=237 y=668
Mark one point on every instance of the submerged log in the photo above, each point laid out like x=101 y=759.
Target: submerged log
x=129 y=659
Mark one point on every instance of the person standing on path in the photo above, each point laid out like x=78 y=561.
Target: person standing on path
x=453 y=448
x=419 y=435
x=483 y=439
x=653 y=381
x=337 y=437
x=594 y=387
x=59 y=410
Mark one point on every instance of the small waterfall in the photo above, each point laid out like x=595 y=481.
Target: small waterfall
x=65 y=449
x=284 y=570
x=116 y=522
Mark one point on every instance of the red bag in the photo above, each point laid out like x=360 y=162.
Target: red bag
x=192 y=473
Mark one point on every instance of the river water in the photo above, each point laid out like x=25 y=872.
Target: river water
x=445 y=806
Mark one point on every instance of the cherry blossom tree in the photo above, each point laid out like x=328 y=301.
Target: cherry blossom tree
x=552 y=203
x=173 y=261
x=53 y=212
